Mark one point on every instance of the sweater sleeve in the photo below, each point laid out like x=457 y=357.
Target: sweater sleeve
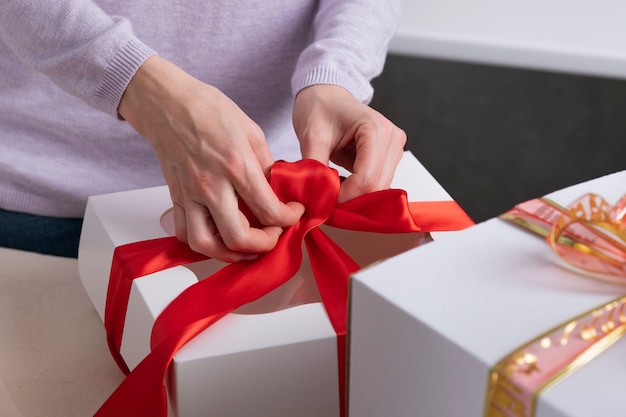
x=349 y=45
x=86 y=52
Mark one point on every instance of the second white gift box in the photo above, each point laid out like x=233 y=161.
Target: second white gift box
x=428 y=325
x=276 y=356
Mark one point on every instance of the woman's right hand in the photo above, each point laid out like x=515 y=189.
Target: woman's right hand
x=211 y=154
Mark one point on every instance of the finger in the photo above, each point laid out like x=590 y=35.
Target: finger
x=203 y=235
x=255 y=190
x=180 y=222
x=237 y=233
x=268 y=209
x=375 y=163
x=316 y=143
x=319 y=154
x=260 y=149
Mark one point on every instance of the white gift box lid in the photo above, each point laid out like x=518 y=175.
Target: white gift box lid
x=426 y=326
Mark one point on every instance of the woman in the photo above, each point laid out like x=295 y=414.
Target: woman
x=108 y=95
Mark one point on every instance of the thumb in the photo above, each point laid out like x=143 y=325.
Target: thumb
x=350 y=188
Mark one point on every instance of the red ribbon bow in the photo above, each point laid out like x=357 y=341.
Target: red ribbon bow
x=316 y=186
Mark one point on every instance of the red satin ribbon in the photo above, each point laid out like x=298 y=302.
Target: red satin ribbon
x=142 y=393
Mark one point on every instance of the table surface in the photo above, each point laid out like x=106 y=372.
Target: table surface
x=573 y=36
x=53 y=356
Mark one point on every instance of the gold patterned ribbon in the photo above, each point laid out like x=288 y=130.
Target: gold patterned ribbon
x=589 y=235
x=516 y=382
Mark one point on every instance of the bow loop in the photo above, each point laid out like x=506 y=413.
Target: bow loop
x=385 y=211
x=591 y=236
x=309 y=182
x=618 y=213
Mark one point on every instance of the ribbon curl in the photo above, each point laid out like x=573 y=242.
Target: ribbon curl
x=589 y=234
x=316 y=186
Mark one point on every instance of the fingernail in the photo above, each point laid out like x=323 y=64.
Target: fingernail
x=250 y=257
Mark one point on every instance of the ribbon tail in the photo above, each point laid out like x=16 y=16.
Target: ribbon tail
x=142 y=393
x=439 y=216
x=332 y=268
x=130 y=262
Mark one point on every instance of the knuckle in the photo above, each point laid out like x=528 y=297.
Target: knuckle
x=237 y=241
x=201 y=243
x=277 y=213
x=182 y=236
x=270 y=215
x=400 y=137
x=256 y=134
x=368 y=184
x=235 y=170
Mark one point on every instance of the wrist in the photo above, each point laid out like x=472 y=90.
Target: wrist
x=154 y=84
x=323 y=90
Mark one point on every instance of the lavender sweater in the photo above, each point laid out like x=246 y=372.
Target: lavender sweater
x=64 y=65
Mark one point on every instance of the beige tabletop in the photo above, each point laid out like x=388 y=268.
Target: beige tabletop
x=54 y=361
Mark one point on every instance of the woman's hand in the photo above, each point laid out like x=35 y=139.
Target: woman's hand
x=332 y=124
x=211 y=154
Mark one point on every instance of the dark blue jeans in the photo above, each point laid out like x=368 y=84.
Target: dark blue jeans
x=48 y=235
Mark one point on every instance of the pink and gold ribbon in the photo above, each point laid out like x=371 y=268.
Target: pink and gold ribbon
x=142 y=393
x=590 y=236
x=516 y=382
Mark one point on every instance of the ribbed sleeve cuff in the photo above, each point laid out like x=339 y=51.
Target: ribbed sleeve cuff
x=120 y=71
x=356 y=85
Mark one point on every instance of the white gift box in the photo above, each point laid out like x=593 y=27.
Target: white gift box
x=270 y=357
x=427 y=326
